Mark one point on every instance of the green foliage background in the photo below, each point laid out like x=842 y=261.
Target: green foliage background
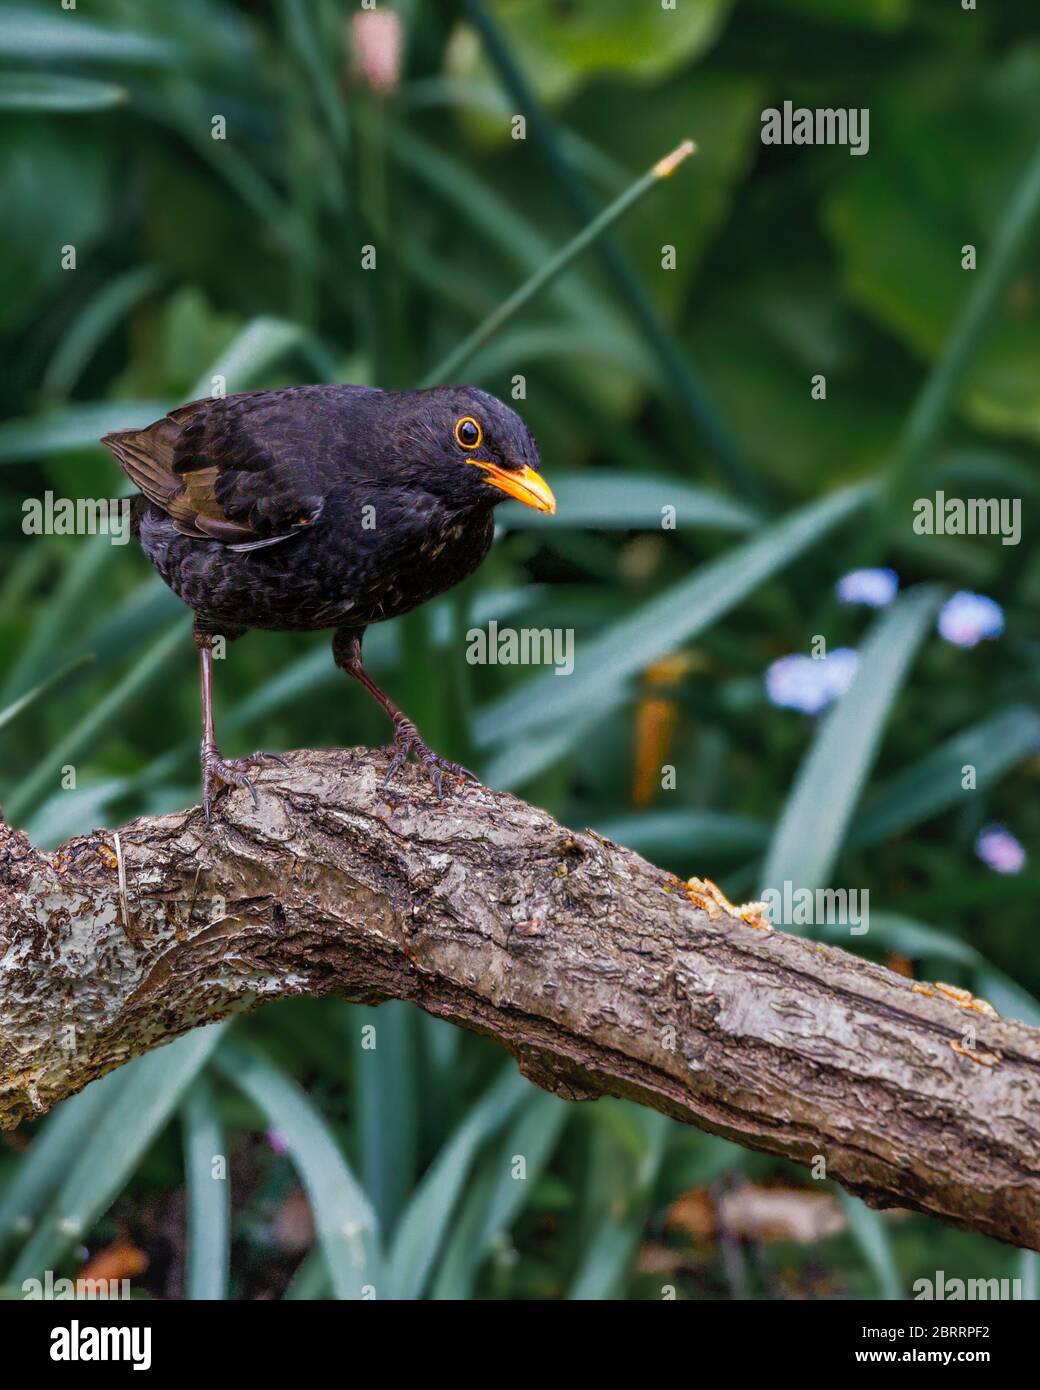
x=242 y=258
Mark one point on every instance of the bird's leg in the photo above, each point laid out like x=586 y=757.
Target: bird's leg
x=346 y=651
x=217 y=771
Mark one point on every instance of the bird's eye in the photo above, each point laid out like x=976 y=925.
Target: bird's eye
x=468 y=432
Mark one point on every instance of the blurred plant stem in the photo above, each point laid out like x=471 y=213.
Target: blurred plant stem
x=684 y=379
x=97 y=721
x=937 y=397
x=557 y=264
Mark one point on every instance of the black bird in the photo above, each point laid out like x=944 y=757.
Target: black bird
x=322 y=507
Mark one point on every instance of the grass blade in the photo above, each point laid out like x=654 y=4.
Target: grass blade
x=99 y=316
x=520 y=760
x=662 y=343
x=626 y=502
x=144 y=670
x=14 y=710
x=421 y=1231
x=55 y=1150
x=42 y=36
x=310 y=1281
x=894 y=932
x=936 y=399
x=811 y=831
x=626 y=1159
x=57 y=617
x=871 y=1235
x=933 y=784
x=139 y=1109
x=346 y=1224
x=386 y=1106
x=690 y=833
x=658 y=627
x=258 y=346
x=74 y=427
x=208 y=1189
x=49 y=91
x=491 y=1210
x=556 y=265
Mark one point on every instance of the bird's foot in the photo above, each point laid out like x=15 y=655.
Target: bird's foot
x=408 y=742
x=219 y=773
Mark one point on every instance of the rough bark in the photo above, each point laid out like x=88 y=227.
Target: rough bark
x=586 y=962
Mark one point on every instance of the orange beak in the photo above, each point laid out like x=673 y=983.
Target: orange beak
x=526 y=486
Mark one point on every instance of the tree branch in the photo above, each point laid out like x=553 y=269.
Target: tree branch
x=587 y=963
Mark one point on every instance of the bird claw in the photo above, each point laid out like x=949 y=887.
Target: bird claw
x=219 y=773
x=407 y=741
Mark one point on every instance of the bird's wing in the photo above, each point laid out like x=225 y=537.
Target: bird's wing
x=247 y=470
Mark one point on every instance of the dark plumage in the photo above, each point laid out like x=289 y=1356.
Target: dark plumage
x=323 y=506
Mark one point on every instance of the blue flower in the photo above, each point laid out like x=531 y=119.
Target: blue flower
x=875 y=587
x=997 y=847
x=967 y=619
x=839 y=669
x=808 y=684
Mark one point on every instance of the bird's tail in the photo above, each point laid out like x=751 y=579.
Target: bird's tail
x=146 y=457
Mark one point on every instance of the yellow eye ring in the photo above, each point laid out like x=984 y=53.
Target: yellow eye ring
x=468 y=433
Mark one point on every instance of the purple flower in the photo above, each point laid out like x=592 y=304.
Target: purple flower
x=967 y=619
x=876 y=588
x=998 y=848
x=808 y=684
x=276 y=1139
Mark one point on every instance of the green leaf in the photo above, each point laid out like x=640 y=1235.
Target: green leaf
x=592 y=345
x=1008 y=998
x=895 y=932
x=663 y=624
x=722 y=113
x=95 y=321
x=491 y=1210
x=553 y=267
x=933 y=784
x=59 y=614
x=137 y=1112
x=51 y=36
x=346 y=1224
x=24 y=701
x=1029 y=1273
x=424 y=1223
x=811 y=831
x=520 y=760
x=310 y=1281
x=96 y=722
x=50 y=91
x=642 y=42
x=385 y=1090
x=53 y=1153
x=55 y=189
x=208 y=1192
x=319 y=60
x=690 y=833
x=494 y=217
x=900 y=222
x=872 y=1237
x=243 y=362
x=866 y=14
x=74 y=427
x=618 y=501
x=626 y=1159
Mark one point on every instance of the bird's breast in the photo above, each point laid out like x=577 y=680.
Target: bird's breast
x=409 y=569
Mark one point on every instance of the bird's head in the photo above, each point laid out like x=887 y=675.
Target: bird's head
x=476 y=450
